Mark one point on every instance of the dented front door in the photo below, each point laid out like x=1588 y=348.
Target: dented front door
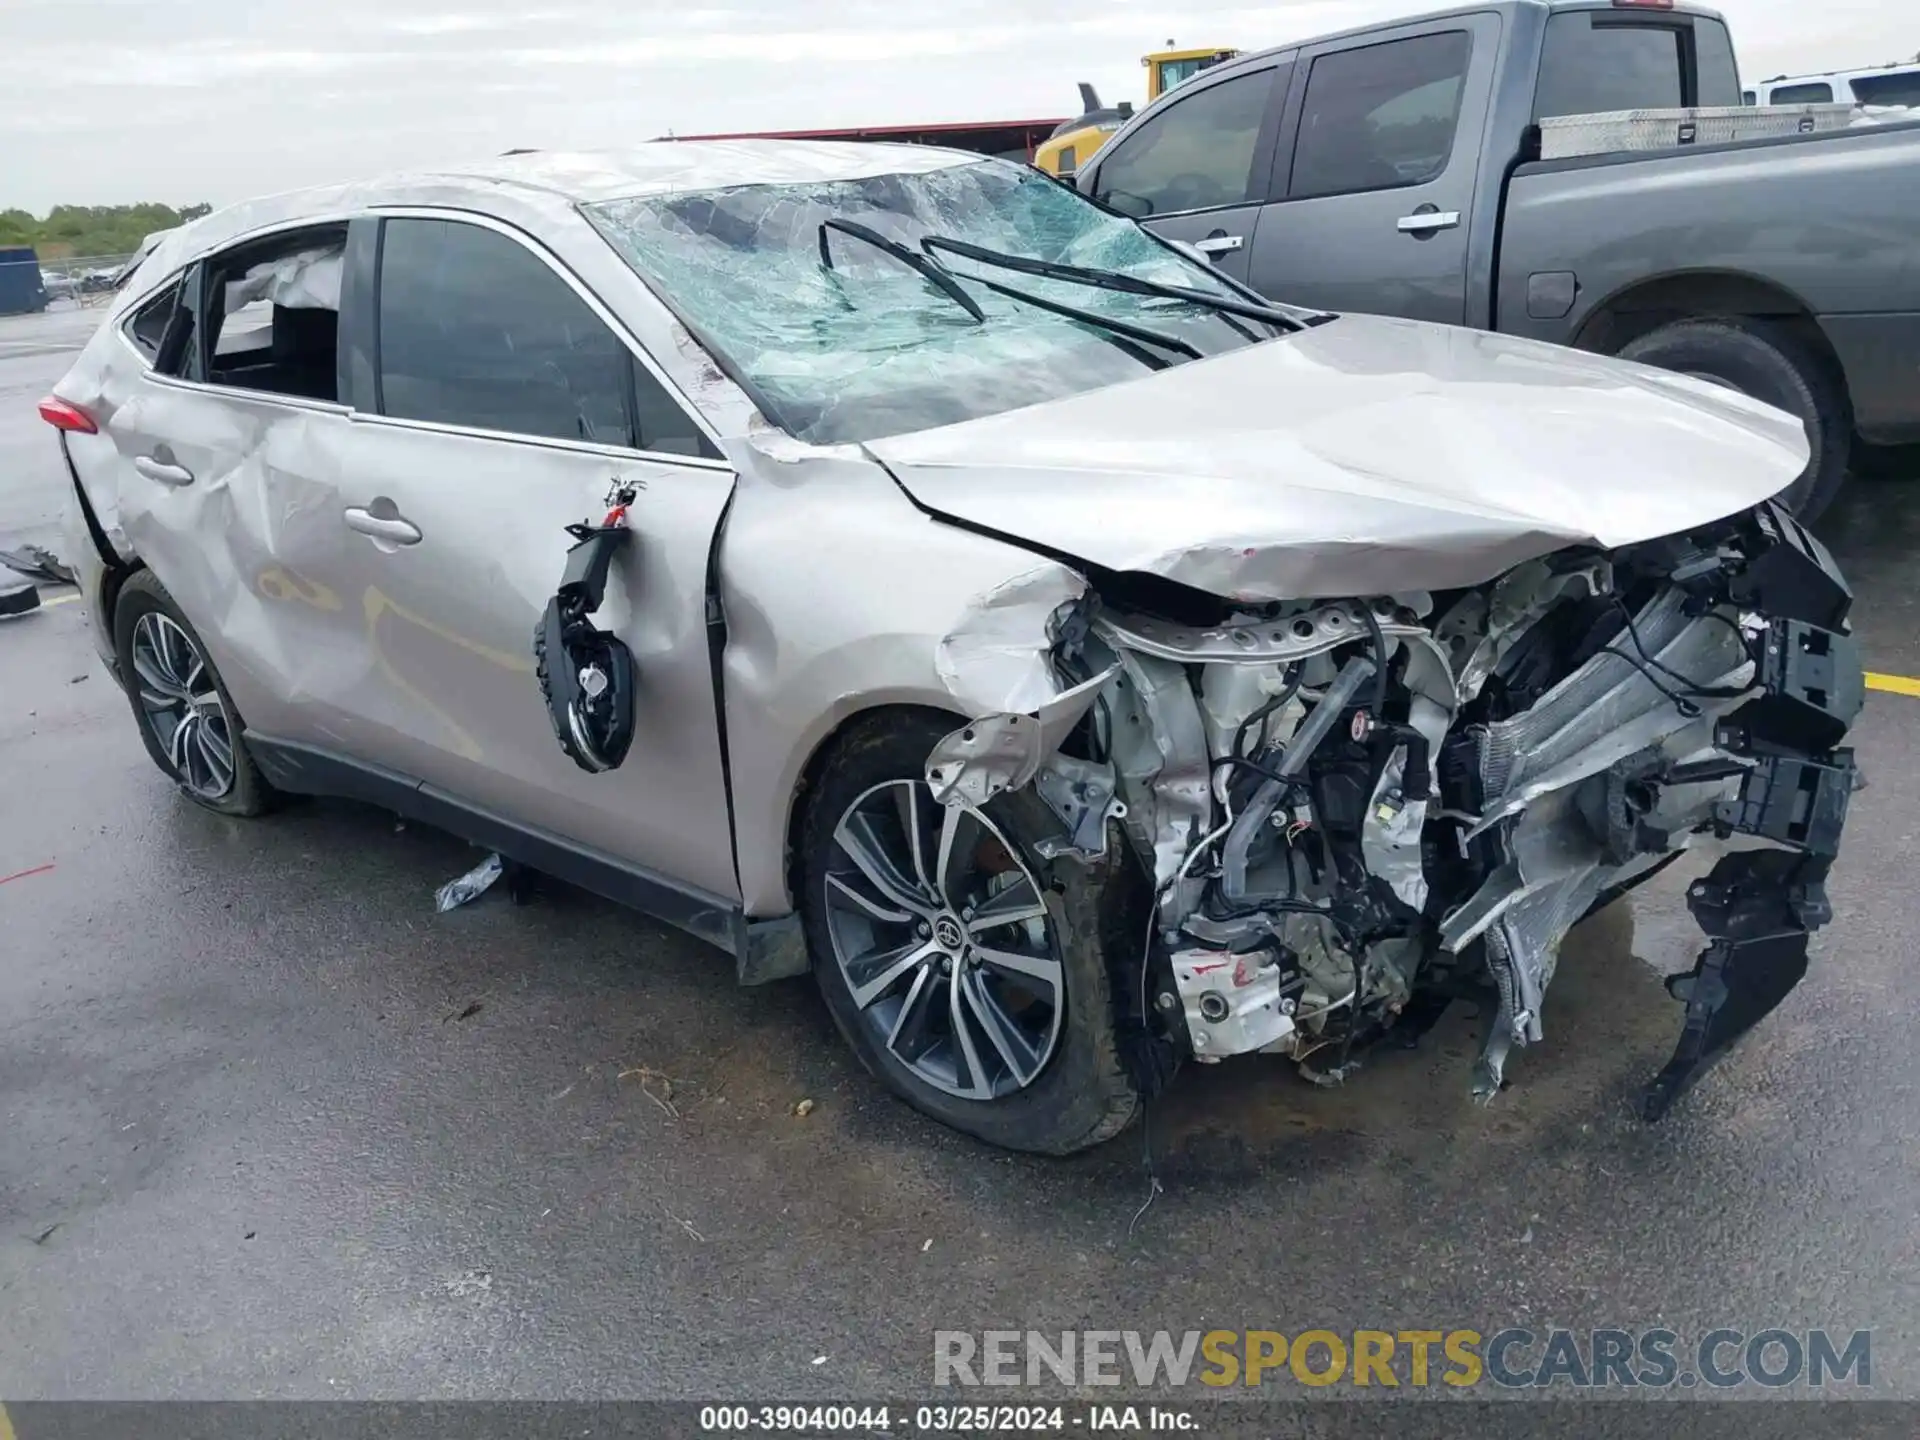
x=444 y=551
x=493 y=407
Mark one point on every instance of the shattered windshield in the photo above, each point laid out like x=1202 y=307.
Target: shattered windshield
x=846 y=340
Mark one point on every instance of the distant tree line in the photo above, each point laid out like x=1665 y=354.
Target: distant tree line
x=70 y=230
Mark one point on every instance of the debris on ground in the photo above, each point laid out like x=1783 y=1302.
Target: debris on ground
x=803 y=1108
x=474 y=883
x=23 y=874
x=655 y=1086
x=686 y=1225
x=466 y=1012
x=46 y=1234
x=18 y=599
x=37 y=562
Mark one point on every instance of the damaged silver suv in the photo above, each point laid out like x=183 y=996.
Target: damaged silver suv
x=885 y=561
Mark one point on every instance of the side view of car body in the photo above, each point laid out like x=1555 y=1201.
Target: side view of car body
x=1079 y=663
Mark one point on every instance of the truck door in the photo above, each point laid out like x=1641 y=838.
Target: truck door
x=1196 y=168
x=1375 y=168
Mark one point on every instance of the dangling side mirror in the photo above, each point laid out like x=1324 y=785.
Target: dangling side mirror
x=587 y=675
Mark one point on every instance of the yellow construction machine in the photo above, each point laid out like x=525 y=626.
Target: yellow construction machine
x=1074 y=142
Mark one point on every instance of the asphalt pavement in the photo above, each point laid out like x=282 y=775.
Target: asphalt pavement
x=272 y=1128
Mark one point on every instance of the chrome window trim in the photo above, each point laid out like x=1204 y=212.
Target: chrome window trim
x=544 y=442
x=363 y=417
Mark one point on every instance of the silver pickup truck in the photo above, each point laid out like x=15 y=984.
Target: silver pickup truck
x=1395 y=169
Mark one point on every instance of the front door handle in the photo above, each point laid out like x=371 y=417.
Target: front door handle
x=390 y=528
x=1425 y=222
x=161 y=468
x=1218 y=244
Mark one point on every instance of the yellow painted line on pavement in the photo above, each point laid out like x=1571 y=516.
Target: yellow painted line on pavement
x=1893 y=684
x=6 y=1425
x=56 y=600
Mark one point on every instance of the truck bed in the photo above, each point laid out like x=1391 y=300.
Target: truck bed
x=1825 y=221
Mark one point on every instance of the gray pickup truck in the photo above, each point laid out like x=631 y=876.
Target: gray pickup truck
x=1394 y=169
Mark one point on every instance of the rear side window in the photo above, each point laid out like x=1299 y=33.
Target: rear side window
x=1897 y=89
x=1197 y=154
x=272 y=313
x=1381 y=116
x=147 y=326
x=1588 y=67
x=1811 y=94
x=478 y=332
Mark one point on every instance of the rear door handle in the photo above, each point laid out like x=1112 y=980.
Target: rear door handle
x=1426 y=222
x=1218 y=244
x=164 y=472
x=390 y=528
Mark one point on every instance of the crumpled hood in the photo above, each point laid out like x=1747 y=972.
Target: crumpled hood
x=1363 y=456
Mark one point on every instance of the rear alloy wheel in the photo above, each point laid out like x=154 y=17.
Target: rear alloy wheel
x=966 y=970
x=186 y=718
x=181 y=706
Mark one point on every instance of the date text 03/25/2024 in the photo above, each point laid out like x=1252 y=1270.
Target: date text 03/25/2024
x=942 y=1419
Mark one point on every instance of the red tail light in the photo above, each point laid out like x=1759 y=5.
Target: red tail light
x=63 y=415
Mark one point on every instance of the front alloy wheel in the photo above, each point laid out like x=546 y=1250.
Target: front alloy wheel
x=181 y=706
x=944 y=941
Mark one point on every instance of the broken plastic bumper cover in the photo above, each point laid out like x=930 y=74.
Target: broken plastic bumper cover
x=1758 y=907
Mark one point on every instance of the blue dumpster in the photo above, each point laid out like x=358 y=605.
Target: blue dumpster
x=21 y=289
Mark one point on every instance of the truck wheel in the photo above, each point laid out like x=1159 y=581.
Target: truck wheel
x=1769 y=363
x=966 y=972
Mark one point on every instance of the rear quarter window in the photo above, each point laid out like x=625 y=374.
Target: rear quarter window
x=146 y=327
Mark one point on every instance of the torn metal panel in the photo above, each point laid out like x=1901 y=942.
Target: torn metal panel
x=997 y=658
x=1160 y=749
x=994 y=753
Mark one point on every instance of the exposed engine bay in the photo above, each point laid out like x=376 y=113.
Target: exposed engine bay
x=1353 y=810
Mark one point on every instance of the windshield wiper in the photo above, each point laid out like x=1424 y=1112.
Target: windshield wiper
x=929 y=270
x=1138 y=334
x=1115 y=280
x=944 y=280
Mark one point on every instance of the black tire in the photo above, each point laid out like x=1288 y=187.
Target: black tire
x=1767 y=361
x=1083 y=1094
x=247 y=793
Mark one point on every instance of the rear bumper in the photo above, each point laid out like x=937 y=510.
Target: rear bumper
x=1880 y=356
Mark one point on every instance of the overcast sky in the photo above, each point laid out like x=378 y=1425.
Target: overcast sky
x=179 y=100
